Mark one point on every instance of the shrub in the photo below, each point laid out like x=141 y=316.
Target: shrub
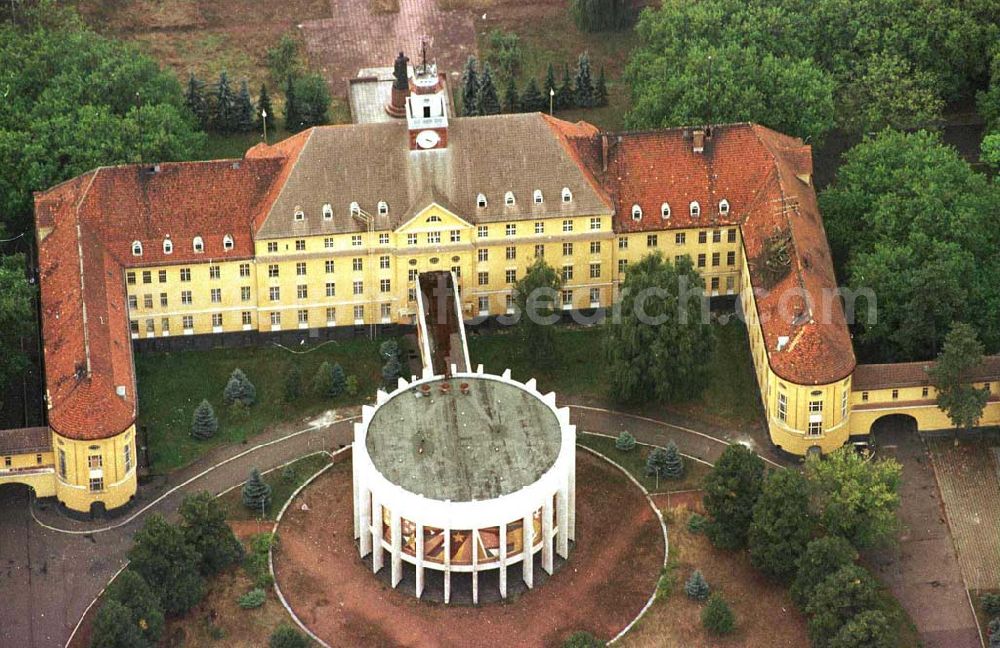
x=868 y=629
x=625 y=442
x=696 y=523
x=994 y=633
x=841 y=596
x=351 y=387
x=255 y=563
x=285 y=636
x=252 y=599
x=991 y=604
x=505 y=51
x=168 y=564
x=293 y=383
x=256 y=492
x=391 y=372
x=322 y=383
x=582 y=639
x=238 y=411
x=388 y=349
x=143 y=604
x=665 y=584
x=696 y=586
x=339 y=385
x=821 y=558
x=114 y=628
x=203 y=523
x=716 y=617
x=288 y=474
x=204 y=425
x=239 y=389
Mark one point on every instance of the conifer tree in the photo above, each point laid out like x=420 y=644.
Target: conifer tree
x=292 y=119
x=673 y=462
x=256 y=492
x=204 y=425
x=339 y=385
x=388 y=349
x=470 y=88
x=625 y=442
x=322 y=384
x=114 y=628
x=550 y=83
x=225 y=106
x=133 y=592
x=239 y=388
x=293 y=383
x=511 y=102
x=532 y=99
x=696 y=586
x=584 y=86
x=601 y=90
x=195 y=100
x=244 y=120
x=564 y=94
x=391 y=372
x=264 y=105
x=487 y=98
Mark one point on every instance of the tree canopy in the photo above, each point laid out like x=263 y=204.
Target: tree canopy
x=77 y=101
x=731 y=491
x=16 y=316
x=911 y=221
x=962 y=401
x=782 y=524
x=535 y=297
x=657 y=338
x=170 y=566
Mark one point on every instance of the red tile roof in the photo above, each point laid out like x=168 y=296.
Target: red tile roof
x=765 y=177
x=86 y=227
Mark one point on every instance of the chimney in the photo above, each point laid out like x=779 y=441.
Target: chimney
x=604 y=152
x=698 y=140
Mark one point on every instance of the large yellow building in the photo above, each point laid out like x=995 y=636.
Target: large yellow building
x=327 y=231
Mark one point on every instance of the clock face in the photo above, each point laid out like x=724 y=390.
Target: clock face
x=428 y=139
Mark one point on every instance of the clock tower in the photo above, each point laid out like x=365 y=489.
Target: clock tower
x=427 y=108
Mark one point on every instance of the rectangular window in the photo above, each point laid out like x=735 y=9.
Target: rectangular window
x=272 y=270
x=483 y=278
x=864 y=397
x=484 y=304
x=244 y=293
x=217 y=320
x=244 y=269
x=383 y=238
x=622 y=243
x=331 y=315
x=680 y=238
x=595 y=222
x=62 y=463
x=276 y=319
x=162 y=275
x=729 y=284
x=328 y=242
x=567 y=273
x=96 y=484
x=595 y=297
x=483 y=254
x=482 y=231
x=511 y=253
x=703 y=237
x=622 y=266
x=150 y=326
x=357 y=264
x=715 y=259
x=433 y=237
x=303 y=316
x=567 y=249
x=187 y=322
x=165 y=324
x=651 y=240
x=186 y=297
x=895 y=394
x=359 y=287
x=539 y=251
x=455 y=236
x=147 y=301
x=716 y=236
x=411 y=294
x=539 y=227
x=715 y=285
x=95 y=462
x=731 y=235
x=731 y=258
x=331 y=289
x=595 y=270
x=458 y=271
x=300 y=245
x=274 y=293
x=566 y=298
x=815 y=428
x=147 y=277
x=185 y=274
x=385 y=310
x=384 y=285
x=816 y=407
x=302 y=291
x=328 y=266
x=843 y=404
x=567 y=225
x=924 y=392
x=509 y=302
x=272 y=246
x=359 y=313
x=411 y=274
x=782 y=407
x=355 y=240
x=595 y=247
x=133 y=302
x=300 y=269
x=130 y=278
x=510 y=229
x=216 y=294
x=510 y=276
x=247 y=318
x=214 y=272
x=701 y=260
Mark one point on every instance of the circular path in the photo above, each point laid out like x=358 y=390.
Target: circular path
x=611 y=571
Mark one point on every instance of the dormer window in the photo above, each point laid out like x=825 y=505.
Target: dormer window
x=636 y=212
x=168 y=246
x=136 y=248
x=227 y=242
x=724 y=207
x=199 y=244
x=299 y=214
x=481 y=201
x=355 y=209
x=383 y=208
x=567 y=195
x=508 y=199
x=327 y=211
x=695 y=209
x=538 y=196
x=665 y=210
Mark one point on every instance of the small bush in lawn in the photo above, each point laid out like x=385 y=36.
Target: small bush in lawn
x=625 y=442
x=991 y=604
x=697 y=522
x=339 y=385
x=285 y=636
x=582 y=639
x=255 y=564
x=716 y=617
x=288 y=474
x=351 y=388
x=293 y=383
x=322 y=383
x=665 y=584
x=252 y=599
x=238 y=411
x=696 y=586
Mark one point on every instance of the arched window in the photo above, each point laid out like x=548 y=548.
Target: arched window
x=383 y=208
x=299 y=214
x=227 y=242
x=724 y=207
x=665 y=210
x=567 y=195
x=695 y=209
x=168 y=246
x=199 y=244
x=538 y=196
x=508 y=198
x=355 y=209
x=327 y=211
x=480 y=201
x=636 y=212
x=136 y=248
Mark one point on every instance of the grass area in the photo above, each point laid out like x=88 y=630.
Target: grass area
x=548 y=35
x=172 y=384
x=283 y=482
x=635 y=463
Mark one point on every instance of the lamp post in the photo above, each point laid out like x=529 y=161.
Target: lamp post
x=263 y=120
x=552 y=96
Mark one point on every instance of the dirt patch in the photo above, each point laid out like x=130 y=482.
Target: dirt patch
x=612 y=570
x=765 y=615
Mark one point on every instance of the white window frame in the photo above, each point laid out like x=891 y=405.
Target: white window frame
x=136 y=248
x=537 y=196
x=198 y=245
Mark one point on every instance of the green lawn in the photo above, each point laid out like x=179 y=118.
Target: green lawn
x=172 y=384
x=635 y=463
x=283 y=482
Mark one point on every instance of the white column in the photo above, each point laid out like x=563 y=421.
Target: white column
x=547 y=535
x=420 y=560
x=377 y=556
x=397 y=547
x=571 y=507
x=562 y=518
x=475 y=566
x=365 y=542
x=503 y=560
x=356 y=498
x=528 y=540
x=447 y=565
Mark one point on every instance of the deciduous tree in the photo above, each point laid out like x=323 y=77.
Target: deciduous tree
x=822 y=557
x=782 y=524
x=731 y=491
x=133 y=592
x=535 y=297
x=114 y=628
x=168 y=564
x=841 y=597
x=951 y=376
x=203 y=522
x=16 y=318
